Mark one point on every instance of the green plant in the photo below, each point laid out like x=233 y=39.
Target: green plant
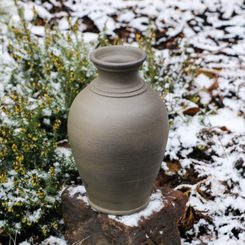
x=47 y=75
x=56 y=65
x=32 y=171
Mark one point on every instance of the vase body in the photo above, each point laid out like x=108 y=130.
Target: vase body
x=118 y=130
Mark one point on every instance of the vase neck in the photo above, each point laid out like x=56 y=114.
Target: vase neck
x=119 y=80
x=118 y=71
x=118 y=84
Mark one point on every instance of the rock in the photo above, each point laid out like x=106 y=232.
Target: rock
x=156 y=224
x=81 y=221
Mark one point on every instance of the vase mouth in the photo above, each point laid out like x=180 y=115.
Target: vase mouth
x=118 y=58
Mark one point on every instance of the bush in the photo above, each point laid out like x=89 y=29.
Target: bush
x=48 y=73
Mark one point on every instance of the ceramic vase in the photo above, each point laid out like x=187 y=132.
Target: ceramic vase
x=118 y=130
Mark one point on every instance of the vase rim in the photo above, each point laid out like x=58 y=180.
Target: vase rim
x=118 y=58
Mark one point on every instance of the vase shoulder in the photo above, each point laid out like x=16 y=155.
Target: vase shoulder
x=125 y=91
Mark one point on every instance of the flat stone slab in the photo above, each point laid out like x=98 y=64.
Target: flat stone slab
x=156 y=224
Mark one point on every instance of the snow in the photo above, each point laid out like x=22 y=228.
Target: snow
x=64 y=151
x=35 y=216
x=187 y=133
x=213 y=33
x=38 y=30
x=126 y=17
x=64 y=24
x=25 y=243
x=7 y=8
x=79 y=192
x=76 y=190
x=156 y=203
x=28 y=14
x=203 y=81
x=54 y=241
x=226 y=117
x=205 y=97
x=41 y=11
x=90 y=37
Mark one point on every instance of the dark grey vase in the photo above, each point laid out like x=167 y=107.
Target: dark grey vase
x=118 y=129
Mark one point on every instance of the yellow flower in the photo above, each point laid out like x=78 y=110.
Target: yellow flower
x=138 y=37
x=34 y=180
x=22 y=130
x=32 y=146
x=14 y=147
x=41 y=194
x=3 y=152
x=34 y=138
x=3 y=177
x=47 y=98
x=19 y=204
x=18 y=167
x=56 y=124
x=54 y=225
x=45 y=230
x=52 y=171
x=19 y=158
x=24 y=220
x=17 y=109
x=14 y=97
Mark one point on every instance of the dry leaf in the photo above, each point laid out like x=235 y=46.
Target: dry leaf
x=188 y=219
x=204 y=190
x=214 y=86
x=210 y=73
x=191 y=111
x=174 y=166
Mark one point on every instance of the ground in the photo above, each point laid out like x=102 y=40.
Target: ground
x=205 y=155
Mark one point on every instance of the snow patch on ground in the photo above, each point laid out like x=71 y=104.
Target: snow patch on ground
x=227 y=118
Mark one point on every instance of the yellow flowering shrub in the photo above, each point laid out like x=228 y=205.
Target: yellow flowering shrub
x=46 y=76
x=32 y=171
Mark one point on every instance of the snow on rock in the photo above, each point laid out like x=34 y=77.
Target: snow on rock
x=79 y=191
x=156 y=203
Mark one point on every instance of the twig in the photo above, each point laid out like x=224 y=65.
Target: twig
x=80 y=242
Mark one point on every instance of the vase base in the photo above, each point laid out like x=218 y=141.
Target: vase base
x=117 y=212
